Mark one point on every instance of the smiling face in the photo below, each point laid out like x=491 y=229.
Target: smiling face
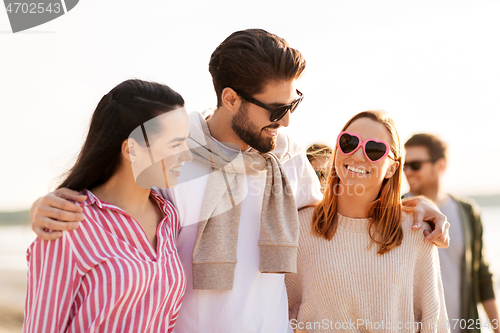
x=426 y=179
x=355 y=171
x=160 y=163
x=251 y=123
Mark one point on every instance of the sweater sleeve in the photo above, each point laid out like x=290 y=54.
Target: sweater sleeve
x=52 y=285
x=428 y=300
x=294 y=282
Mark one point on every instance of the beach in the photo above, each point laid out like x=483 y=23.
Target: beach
x=14 y=240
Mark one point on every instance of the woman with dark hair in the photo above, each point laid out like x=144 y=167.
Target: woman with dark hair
x=119 y=271
x=361 y=267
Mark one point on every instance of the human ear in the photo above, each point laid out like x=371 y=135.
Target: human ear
x=392 y=169
x=129 y=150
x=441 y=165
x=230 y=99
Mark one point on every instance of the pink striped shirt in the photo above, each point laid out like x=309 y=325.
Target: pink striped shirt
x=105 y=276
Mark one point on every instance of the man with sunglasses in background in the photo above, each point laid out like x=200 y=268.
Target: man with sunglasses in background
x=465 y=272
x=238 y=198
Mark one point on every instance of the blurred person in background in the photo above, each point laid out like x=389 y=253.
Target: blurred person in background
x=466 y=277
x=319 y=156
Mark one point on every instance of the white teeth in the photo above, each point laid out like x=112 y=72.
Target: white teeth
x=273 y=130
x=356 y=170
x=176 y=168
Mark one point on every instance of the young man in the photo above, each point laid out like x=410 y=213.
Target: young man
x=465 y=272
x=238 y=198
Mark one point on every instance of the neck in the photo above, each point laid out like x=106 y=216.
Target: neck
x=122 y=191
x=353 y=205
x=435 y=193
x=221 y=130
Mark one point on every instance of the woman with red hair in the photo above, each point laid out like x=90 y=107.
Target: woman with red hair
x=361 y=267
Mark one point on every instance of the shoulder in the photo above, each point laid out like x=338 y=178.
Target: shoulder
x=414 y=239
x=305 y=215
x=299 y=166
x=298 y=160
x=98 y=219
x=407 y=222
x=308 y=240
x=55 y=249
x=467 y=203
x=288 y=144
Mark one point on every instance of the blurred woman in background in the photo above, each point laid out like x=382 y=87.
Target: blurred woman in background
x=319 y=155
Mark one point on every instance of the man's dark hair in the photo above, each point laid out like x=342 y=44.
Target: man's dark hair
x=435 y=146
x=249 y=59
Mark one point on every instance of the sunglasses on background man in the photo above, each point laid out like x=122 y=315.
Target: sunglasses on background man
x=416 y=165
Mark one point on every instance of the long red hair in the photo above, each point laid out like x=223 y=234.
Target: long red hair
x=385 y=212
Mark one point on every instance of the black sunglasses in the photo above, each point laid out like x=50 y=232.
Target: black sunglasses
x=276 y=113
x=416 y=165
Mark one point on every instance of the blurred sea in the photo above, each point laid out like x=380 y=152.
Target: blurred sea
x=491 y=223
x=14 y=240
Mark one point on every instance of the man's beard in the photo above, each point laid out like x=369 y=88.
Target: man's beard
x=251 y=134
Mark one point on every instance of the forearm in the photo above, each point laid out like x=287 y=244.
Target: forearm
x=491 y=309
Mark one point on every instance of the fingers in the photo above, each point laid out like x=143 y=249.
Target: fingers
x=58 y=200
x=51 y=224
x=46 y=235
x=440 y=236
x=418 y=218
x=411 y=201
x=68 y=194
x=55 y=212
x=424 y=211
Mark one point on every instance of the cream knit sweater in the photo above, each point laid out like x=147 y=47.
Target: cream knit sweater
x=341 y=285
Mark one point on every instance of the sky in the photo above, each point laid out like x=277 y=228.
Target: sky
x=433 y=65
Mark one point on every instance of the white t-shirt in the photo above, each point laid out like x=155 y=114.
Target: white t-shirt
x=452 y=260
x=258 y=301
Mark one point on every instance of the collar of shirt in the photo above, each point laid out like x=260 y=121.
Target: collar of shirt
x=92 y=199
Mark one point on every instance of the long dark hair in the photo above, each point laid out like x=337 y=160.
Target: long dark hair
x=124 y=108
